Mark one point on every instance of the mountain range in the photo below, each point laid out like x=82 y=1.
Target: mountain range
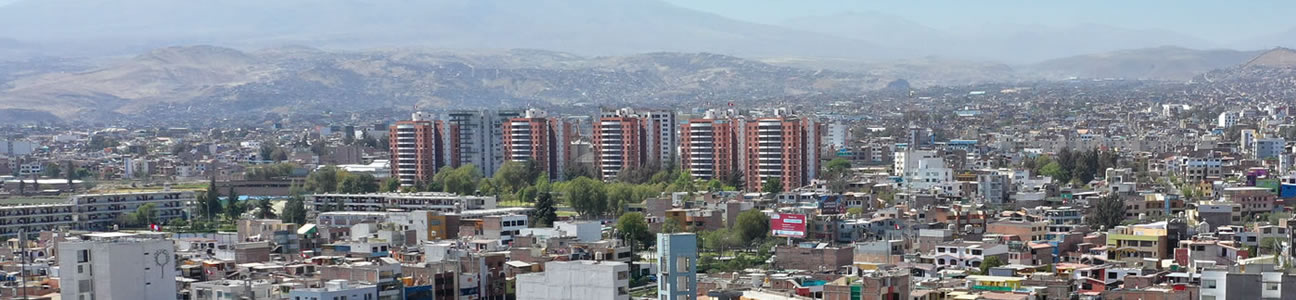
x=298 y=78
x=105 y=59
x=585 y=27
x=169 y=81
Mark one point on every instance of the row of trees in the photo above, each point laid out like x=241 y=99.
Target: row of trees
x=330 y=179
x=1079 y=167
x=751 y=228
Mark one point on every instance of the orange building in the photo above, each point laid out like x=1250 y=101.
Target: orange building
x=783 y=147
x=417 y=149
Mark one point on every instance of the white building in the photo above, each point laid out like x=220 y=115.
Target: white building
x=924 y=171
x=1247 y=140
x=431 y=201
x=1228 y=119
x=994 y=186
x=99 y=211
x=585 y=279
x=379 y=168
x=231 y=289
x=117 y=266
x=584 y=231
x=837 y=137
x=336 y=289
x=476 y=137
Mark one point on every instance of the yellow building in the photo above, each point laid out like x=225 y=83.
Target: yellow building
x=994 y=283
x=1134 y=243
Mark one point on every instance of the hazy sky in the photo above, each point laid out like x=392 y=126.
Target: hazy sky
x=1219 y=21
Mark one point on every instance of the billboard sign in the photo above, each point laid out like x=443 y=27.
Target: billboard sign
x=788 y=225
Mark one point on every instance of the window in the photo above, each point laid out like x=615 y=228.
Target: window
x=83 y=256
x=1210 y=284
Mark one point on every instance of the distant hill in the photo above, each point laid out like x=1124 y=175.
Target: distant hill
x=1161 y=63
x=1008 y=43
x=209 y=79
x=587 y=27
x=1278 y=57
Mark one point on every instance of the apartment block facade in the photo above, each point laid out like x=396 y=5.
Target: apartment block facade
x=418 y=149
x=535 y=136
x=783 y=147
x=709 y=146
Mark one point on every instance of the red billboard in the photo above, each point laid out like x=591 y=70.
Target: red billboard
x=788 y=225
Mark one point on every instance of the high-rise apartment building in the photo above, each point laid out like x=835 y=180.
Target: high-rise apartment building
x=625 y=138
x=476 y=137
x=417 y=148
x=784 y=147
x=709 y=146
x=114 y=265
x=535 y=136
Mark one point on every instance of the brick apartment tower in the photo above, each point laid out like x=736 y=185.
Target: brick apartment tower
x=618 y=144
x=417 y=148
x=625 y=138
x=709 y=146
x=784 y=147
x=544 y=140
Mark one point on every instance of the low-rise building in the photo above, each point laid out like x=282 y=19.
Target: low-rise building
x=585 y=279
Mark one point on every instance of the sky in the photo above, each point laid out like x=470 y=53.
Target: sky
x=1218 y=21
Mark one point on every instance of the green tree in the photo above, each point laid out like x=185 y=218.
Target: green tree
x=100 y=142
x=619 y=195
x=391 y=184
x=752 y=226
x=586 y=196
x=837 y=168
x=1270 y=245
x=263 y=153
x=294 y=210
x=69 y=174
x=855 y=211
x=1054 y=170
x=462 y=180
x=1066 y=164
x=515 y=175
x=1107 y=211
x=774 y=185
x=633 y=228
x=144 y=215
x=714 y=185
x=212 y=205
x=356 y=183
x=278 y=155
x=52 y=170
x=233 y=208
x=265 y=210
x=990 y=262
x=720 y=240
x=323 y=180
x=546 y=211
x=671 y=226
